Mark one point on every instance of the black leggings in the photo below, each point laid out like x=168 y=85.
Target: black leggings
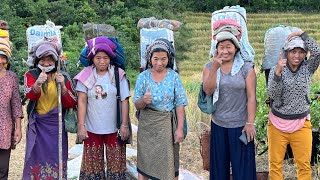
x=4 y=163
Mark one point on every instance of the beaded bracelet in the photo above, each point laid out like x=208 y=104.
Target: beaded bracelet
x=124 y=126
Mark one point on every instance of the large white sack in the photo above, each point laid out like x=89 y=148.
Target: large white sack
x=274 y=40
x=74 y=166
x=147 y=36
x=75 y=154
x=238 y=14
x=37 y=33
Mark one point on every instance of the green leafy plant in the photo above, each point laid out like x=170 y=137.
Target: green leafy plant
x=262 y=111
x=315 y=105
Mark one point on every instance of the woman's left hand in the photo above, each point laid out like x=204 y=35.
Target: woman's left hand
x=124 y=131
x=178 y=136
x=60 y=79
x=250 y=131
x=17 y=136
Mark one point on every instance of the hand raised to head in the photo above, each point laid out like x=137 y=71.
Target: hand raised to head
x=295 y=33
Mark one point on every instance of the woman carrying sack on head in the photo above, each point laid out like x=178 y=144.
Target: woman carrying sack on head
x=289 y=118
x=10 y=113
x=97 y=113
x=233 y=85
x=40 y=87
x=157 y=92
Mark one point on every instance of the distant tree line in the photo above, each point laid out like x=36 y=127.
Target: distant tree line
x=257 y=5
x=122 y=14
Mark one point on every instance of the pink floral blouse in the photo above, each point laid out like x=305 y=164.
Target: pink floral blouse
x=10 y=107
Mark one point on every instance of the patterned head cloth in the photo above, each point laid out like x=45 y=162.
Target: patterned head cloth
x=43 y=48
x=48 y=49
x=157 y=44
x=294 y=42
x=225 y=35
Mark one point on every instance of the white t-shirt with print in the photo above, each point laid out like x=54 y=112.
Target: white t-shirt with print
x=101 y=115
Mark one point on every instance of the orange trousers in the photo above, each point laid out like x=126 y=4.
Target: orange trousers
x=301 y=144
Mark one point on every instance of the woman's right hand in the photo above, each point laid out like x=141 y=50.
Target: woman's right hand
x=42 y=78
x=82 y=132
x=217 y=60
x=147 y=97
x=280 y=66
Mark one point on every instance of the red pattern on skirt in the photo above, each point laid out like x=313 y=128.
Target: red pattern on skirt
x=93 y=166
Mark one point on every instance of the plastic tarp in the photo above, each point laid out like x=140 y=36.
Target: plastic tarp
x=91 y=30
x=238 y=14
x=76 y=153
x=274 y=40
x=152 y=22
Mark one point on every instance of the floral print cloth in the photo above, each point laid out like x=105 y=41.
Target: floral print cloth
x=42 y=149
x=93 y=163
x=10 y=107
x=165 y=94
x=47 y=171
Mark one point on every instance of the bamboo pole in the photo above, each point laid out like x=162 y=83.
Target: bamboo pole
x=60 y=124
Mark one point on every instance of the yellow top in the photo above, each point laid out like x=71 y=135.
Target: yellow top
x=48 y=100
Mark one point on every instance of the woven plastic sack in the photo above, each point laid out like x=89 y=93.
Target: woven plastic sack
x=92 y=30
x=38 y=33
x=152 y=22
x=274 y=40
x=147 y=36
x=204 y=133
x=238 y=14
x=205 y=149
